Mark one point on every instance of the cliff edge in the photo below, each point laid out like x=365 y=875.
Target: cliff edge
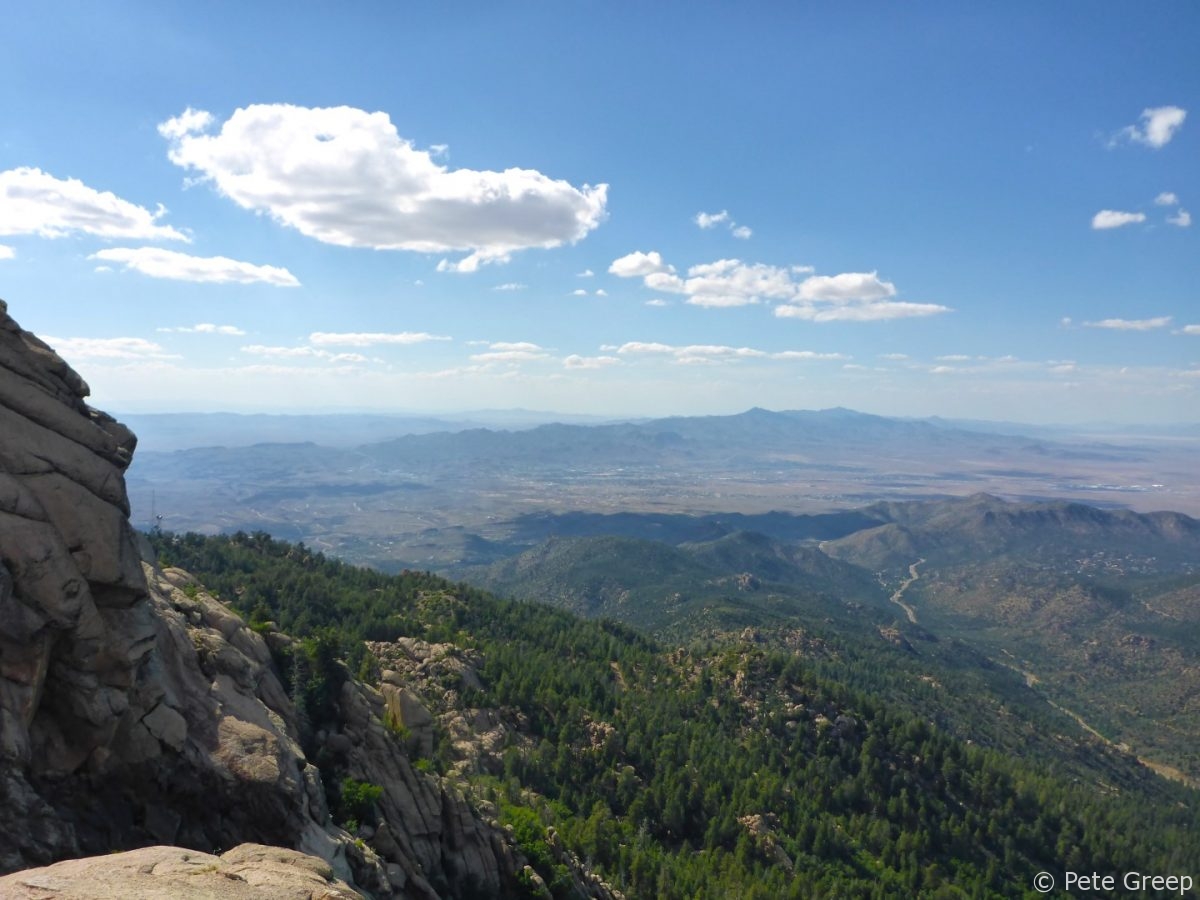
x=136 y=710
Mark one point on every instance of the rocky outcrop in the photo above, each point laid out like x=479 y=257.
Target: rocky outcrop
x=247 y=872
x=134 y=708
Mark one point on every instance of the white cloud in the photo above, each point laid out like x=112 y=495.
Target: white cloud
x=730 y=282
x=7 y=252
x=1158 y=127
x=158 y=263
x=644 y=347
x=847 y=287
x=586 y=273
x=711 y=220
x=698 y=353
x=718 y=351
x=303 y=353
x=953 y=357
x=893 y=356
x=879 y=311
x=1182 y=219
x=575 y=361
x=520 y=346
x=371 y=338
x=1131 y=324
x=107 y=348
x=601 y=292
x=1166 y=198
x=850 y=296
x=509 y=356
x=639 y=264
x=807 y=354
x=1112 y=218
x=283 y=352
x=510 y=286
x=190 y=121
x=35 y=202
x=657 y=301
x=579 y=292
x=1190 y=329
x=345 y=176
x=204 y=328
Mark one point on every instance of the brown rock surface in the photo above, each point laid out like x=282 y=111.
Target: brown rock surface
x=247 y=872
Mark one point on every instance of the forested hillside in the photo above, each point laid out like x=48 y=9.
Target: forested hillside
x=733 y=769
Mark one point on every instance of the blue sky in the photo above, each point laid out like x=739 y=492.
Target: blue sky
x=610 y=208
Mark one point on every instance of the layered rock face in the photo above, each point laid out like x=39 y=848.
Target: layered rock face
x=130 y=712
x=137 y=710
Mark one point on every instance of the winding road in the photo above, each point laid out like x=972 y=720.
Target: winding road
x=898 y=594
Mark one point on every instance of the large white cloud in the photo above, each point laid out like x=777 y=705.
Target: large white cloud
x=849 y=296
x=158 y=263
x=1158 y=126
x=35 y=202
x=345 y=176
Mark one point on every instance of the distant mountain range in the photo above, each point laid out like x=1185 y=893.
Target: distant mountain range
x=447 y=498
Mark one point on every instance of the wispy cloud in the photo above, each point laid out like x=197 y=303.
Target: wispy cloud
x=1131 y=324
x=204 y=328
x=511 y=352
x=372 y=338
x=1190 y=329
x=303 y=353
x=510 y=286
x=575 y=361
x=118 y=348
x=1114 y=218
x=1181 y=219
x=158 y=263
x=711 y=220
x=1155 y=129
x=714 y=352
x=345 y=176
x=1166 y=198
x=35 y=202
